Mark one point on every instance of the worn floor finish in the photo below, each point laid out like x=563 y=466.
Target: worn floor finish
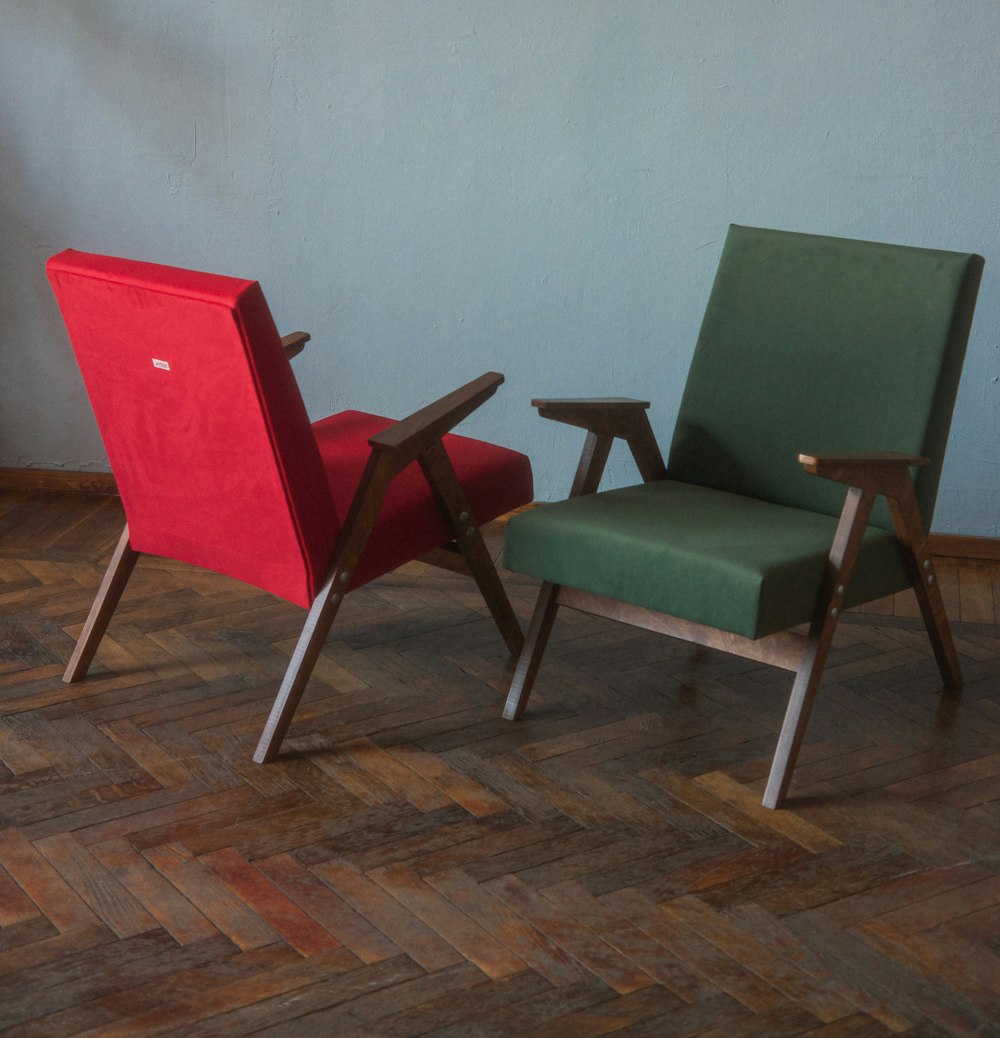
x=414 y=865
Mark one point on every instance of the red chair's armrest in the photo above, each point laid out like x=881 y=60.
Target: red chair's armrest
x=411 y=436
x=294 y=343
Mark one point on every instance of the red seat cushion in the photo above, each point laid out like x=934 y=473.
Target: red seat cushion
x=495 y=480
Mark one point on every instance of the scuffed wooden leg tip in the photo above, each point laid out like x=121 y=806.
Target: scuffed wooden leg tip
x=265 y=755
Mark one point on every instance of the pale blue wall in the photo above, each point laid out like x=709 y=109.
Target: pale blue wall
x=439 y=187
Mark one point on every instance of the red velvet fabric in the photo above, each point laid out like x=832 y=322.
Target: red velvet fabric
x=495 y=480
x=210 y=443
x=202 y=420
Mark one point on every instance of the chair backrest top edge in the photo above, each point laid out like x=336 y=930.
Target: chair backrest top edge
x=189 y=284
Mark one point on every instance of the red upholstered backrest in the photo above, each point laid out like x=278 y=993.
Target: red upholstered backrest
x=202 y=420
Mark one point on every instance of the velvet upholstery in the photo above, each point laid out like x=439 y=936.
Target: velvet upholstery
x=213 y=452
x=809 y=343
x=813 y=343
x=495 y=480
x=204 y=426
x=732 y=562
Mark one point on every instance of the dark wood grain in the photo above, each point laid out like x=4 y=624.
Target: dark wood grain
x=412 y=864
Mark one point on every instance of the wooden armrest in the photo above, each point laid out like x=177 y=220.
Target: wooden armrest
x=876 y=470
x=608 y=415
x=411 y=436
x=294 y=343
x=605 y=418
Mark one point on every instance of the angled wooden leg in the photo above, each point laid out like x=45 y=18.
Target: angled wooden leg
x=910 y=530
x=590 y=467
x=642 y=443
x=451 y=497
x=491 y=588
x=938 y=629
x=115 y=578
x=840 y=566
x=534 y=649
x=310 y=644
x=586 y=480
x=353 y=536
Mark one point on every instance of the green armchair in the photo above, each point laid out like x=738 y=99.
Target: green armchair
x=848 y=349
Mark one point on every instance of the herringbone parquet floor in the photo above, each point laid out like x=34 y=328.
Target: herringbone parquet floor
x=414 y=865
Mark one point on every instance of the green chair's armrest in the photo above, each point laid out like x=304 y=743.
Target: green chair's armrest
x=294 y=343
x=604 y=415
x=606 y=418
x=888 y=473
x=880 y=471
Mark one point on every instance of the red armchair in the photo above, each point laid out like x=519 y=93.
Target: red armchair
x=218 y=465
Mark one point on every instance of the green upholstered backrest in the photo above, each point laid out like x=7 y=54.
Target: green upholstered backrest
x=813 y=343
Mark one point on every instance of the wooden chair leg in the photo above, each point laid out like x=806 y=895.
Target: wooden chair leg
x=353 y=537
x=586 y=480
x=534 y=649
x=910 y=530
x=491 y=588
x=108 y=594
x=383 y=465
x=840 y=566
x=310 y=644
x=938 y=628
x=451 y=497
x=797 y=712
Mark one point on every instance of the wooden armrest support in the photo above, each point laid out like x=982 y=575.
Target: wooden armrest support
x=294 y=343
x=609 y=415
x=413 y=435
x=879 y=471
x=606 y=418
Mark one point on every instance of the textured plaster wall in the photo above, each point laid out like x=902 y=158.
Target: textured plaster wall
x=435 y=188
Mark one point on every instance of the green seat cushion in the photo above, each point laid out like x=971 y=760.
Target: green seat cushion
x=742 y=565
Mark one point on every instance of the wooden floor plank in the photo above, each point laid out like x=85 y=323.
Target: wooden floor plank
x=113 y=903
x=388 y=915
x=244 y=927
x=632 y=943
x=590 y=950
x=186 y=1014
x=162 y=900
x=362 y=1005
x=328 y=909
x=44 y=885
x=525 y=941
x=697 y=953
x=113 y=981
x=476 y=799
x=460 y=998
x=774 y=967
x=15 y=905
x=413 y=865
x=458 y=929
x=270 y=903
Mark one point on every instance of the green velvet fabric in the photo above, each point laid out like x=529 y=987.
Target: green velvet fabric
x=736 y=563
x=809 y=344
x=813 y=343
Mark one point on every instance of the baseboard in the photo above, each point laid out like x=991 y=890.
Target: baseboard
x=59 y=480
x=957 y=546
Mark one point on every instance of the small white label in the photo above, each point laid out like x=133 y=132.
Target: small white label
x=161 y=364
